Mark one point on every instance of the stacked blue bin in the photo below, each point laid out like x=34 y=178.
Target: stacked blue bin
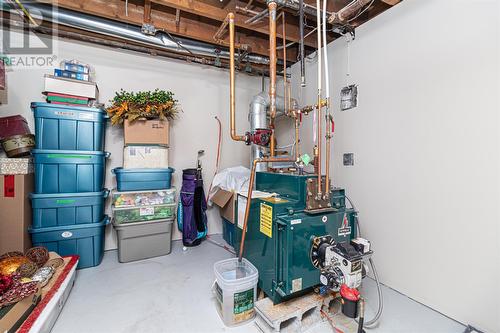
x=69 y=199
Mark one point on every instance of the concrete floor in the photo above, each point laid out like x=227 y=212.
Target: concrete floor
x=173 y=294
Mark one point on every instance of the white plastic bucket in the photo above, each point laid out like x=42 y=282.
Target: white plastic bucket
x=235 y=290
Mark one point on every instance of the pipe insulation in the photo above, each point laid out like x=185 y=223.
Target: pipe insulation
x=131 y=33
x=343 y=15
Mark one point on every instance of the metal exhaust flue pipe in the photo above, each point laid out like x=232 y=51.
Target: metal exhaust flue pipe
x=131 y=33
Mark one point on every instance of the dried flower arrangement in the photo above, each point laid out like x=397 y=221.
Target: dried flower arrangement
x=157 y=104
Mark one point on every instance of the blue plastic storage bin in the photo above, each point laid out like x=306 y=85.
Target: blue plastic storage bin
x=68 y=171
x=142 y=179
x=68 y=127
x=85 y=240
x=53 y=210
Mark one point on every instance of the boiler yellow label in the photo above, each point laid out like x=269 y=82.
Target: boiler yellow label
x=266 y=220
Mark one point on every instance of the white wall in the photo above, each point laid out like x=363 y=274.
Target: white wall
x=203 y=93
x=426 y=144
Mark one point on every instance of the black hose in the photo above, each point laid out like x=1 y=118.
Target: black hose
x=361 y=315
x=301 y=44
x=360 y=325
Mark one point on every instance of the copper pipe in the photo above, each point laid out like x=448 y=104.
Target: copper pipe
x=245 y=10
x=327 y=157
x=308 y=108
x=315 y=159
x=220 y=33
x=232 y=104
x=249 y=196
x=297 y=121
x=285 y=80
x=272 y=69
x=289 y=86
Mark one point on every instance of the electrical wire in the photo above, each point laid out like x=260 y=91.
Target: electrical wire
x=372 y=322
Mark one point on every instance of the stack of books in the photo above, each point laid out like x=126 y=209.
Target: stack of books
x=71 y=85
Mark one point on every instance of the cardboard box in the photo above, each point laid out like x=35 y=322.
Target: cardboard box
x=13 y=316
x=225 y=200
x=155 y=157
x=146 y=132
x=15 y=212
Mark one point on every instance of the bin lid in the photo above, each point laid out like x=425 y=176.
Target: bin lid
x=103 y=193
x=141 y=170
x=35 y=105
x=70 y=153
x=103 y=223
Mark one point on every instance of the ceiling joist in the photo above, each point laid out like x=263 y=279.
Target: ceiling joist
x=169 y=21
x=201 y=19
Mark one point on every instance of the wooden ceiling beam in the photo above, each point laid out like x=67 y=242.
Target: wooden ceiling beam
x=219 y=14
x=147 y=11
x=186 y=27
